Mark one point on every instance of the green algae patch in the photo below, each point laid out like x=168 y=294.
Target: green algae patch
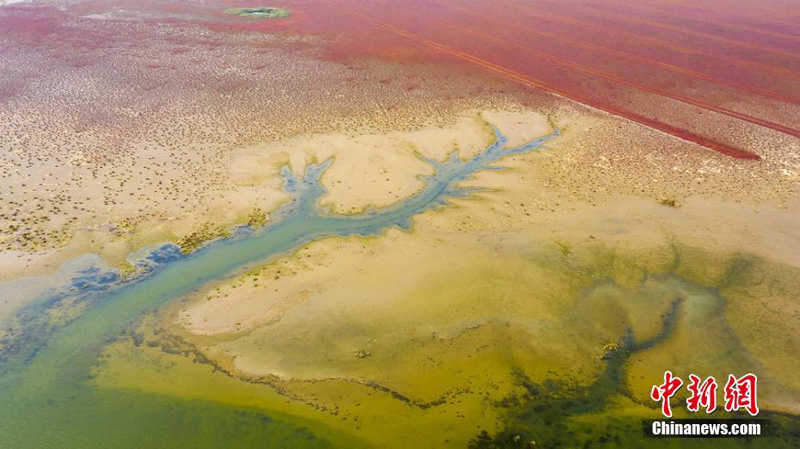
x=260 y=12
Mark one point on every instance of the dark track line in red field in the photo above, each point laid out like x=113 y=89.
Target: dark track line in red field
x=529 y=81
x=665 y=44
x=625 y=81
x=631 y=83
x=778 y=34
x=662 y=65
x=640 y=86
x=702 y=34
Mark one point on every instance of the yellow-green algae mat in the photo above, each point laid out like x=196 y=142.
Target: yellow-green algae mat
x=559 y=383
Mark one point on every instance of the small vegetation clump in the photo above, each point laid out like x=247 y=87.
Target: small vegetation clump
x=199 y=236
x=362 y=354
x=123 y=227
x=669 y=202
x=257 y=218
x=609 y=348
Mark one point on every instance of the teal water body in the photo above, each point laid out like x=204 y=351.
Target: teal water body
x=45 y=397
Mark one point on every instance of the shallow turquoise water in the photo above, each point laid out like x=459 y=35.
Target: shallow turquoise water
x=45 y=400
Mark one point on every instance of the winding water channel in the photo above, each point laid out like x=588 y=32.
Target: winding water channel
x=45 y=399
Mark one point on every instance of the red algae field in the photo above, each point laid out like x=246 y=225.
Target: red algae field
x=399 y=224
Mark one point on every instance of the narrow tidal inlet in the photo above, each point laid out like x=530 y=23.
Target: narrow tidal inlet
x=46 y=399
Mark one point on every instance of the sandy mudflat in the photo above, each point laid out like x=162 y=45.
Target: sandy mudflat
x=538 y=274
x=541 y=307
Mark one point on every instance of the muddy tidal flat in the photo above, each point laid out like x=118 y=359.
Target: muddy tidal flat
x=376 y=224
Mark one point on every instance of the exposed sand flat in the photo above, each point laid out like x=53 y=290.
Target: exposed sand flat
x=376 y=168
